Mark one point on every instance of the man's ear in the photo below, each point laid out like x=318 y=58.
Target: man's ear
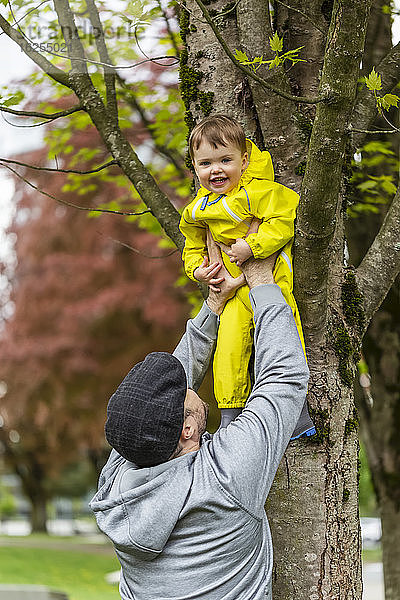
x=189 y=429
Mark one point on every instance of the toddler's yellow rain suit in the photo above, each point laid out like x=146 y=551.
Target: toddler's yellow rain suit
x=228 y=218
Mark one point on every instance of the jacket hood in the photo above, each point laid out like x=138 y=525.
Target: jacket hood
x=137 y=508
x=260 y=167
x=260 y=164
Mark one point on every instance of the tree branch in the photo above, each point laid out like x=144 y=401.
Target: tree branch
x=76 y=51
x=171 y=155
x=139 y=251
x=70 y=204
x=381 y=265
x=113 y=138
x=42 y=62
x=373 y=131
x=40 y=115
x=249 y=73
x=169 y=29
x=305 y=15
x=109 y=73
x=365 y=110
x=320 y=192
x=37 y=168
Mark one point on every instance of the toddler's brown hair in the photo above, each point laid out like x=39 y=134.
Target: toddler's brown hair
x=218 y=130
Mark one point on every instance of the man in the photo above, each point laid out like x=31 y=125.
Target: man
x=184 y=509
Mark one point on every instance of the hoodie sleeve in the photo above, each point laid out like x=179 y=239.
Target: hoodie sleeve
x=195 y=242
x=245 y=455
x=276 y=207
x=196 y=346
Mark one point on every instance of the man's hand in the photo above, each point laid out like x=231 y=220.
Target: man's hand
x=208 y=273
x=220 y=294
x=258 y=271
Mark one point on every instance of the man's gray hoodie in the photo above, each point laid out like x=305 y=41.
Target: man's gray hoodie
x=195 y=527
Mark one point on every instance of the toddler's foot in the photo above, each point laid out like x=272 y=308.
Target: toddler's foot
x=228 y=415
x=305 y=427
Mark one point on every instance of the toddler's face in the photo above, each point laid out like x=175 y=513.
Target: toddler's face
x=219 y=169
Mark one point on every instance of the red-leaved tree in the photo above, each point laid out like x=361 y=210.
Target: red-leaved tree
x=86 y=308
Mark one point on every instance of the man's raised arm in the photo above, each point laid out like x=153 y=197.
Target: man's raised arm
x=247 y=453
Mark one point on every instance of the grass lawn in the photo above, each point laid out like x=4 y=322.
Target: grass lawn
x=372 y=555
x=80 y=574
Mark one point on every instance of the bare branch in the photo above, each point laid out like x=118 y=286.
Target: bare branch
x=373 y=131
x=57 y=170
x=40 y=115
x=381 y=264
x=303 y=14
x=42 y=62
x=109 y=72
x=66 y=203
x=27 y=46
x=248 y=72
x=34 y=9
x=169 y=29
x=17 y=126
x=139 y=251
x=76 y=51
x=365 y=110
x=172 y=155
x=320 y=191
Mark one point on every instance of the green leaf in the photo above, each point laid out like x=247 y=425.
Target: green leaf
x=378 y=146
x=13 y=100
x=276 y=43
x=373 y=81
x=388 y=186
x=274 y=63
x=367 y=185
x=241 y=56
x=389 y=100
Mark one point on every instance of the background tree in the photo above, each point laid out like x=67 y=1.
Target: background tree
x=309 y=116
x=86 y=308
x=375 y=177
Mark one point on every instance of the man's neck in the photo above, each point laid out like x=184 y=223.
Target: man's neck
x=182 y=450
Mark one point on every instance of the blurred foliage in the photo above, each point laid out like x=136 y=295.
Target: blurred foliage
x=8 y=506
x=367 y=498
x=369 y=188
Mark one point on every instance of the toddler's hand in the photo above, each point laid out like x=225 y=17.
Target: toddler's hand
x=239 y=252
x=207 y=274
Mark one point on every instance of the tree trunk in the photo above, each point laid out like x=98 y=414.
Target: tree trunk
x=38 y=514
x=390 y=516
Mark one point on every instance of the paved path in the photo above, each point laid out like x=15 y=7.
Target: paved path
x=373 y=581
x=93 y=546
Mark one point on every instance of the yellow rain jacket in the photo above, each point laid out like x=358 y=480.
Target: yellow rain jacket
x=228 y=218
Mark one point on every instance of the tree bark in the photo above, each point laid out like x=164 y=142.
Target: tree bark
x=38 y=514
x=390 y=517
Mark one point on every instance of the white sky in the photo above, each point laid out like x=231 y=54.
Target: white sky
x=13 y=65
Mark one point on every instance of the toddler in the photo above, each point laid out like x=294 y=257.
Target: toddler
x=236 y=185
